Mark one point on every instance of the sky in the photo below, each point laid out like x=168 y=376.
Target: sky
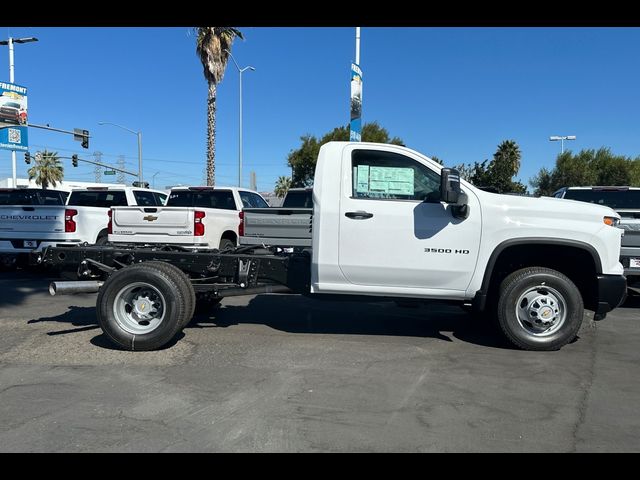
x=454 y=93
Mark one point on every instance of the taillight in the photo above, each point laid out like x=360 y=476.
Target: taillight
x=241 y=226
x=198 y=226
x=110 y=224
x=69 y=222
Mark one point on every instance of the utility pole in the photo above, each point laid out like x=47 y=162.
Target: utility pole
x=253 y=181
x=10 y=41
x=240 y=72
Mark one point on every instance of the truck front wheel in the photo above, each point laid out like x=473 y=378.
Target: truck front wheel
x=539 y=309
x=141 y=307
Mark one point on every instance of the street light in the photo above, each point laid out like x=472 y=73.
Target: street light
x=555 y=138
x=139 y=135
x=10 y=41
x=240 y=70
x=153 y=180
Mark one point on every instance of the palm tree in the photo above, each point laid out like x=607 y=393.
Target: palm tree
x=508 y=154
x=48 y=170
x=212 y=44
x=283 y=184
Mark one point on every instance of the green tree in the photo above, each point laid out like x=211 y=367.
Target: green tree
x=283 y=184
x=586 y=168
x=504 y=166
x=212 y=45
x=47 y=170
x=497 y=174
x=543 y=183
x=303 y=159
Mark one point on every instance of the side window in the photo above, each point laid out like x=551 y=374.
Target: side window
x=391 y=176
x=161 y=198
x=251 y=200
x=145 y=198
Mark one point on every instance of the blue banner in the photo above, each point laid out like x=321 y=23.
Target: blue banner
x=355 y=128
x=13 y=117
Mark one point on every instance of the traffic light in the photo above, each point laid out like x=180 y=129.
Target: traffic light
x=74 y=160
x=27 y=158
x=85 y=138
x=141 y=184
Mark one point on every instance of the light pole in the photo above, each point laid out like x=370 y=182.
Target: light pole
x=153 y=180
x=139 y=135
x=10 y=41
x=240 y=70
x=555 y=138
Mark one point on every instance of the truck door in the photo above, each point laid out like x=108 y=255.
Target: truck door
x=394 y=231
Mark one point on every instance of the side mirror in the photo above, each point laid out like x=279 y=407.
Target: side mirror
x=449 y=185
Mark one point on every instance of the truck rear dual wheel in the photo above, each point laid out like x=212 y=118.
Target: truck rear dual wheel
x=143 y=306
x=186 y=287
x=539 y=309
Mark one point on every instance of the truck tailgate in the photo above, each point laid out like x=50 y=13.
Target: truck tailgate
x=287 y=227
x=15 y=221
x=158 y=223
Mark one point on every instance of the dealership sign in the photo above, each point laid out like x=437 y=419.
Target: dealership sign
x=13 y=117
x=356 y=104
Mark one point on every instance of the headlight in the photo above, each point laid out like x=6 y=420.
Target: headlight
x=611 y=221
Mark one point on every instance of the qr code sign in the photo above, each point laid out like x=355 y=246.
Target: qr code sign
x=14 y=135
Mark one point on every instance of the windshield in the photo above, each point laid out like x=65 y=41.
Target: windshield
x=13 y=105
x=611 y=198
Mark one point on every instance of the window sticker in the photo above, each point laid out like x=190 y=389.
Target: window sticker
x=383 y=181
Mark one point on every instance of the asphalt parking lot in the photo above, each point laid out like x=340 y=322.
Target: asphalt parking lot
x=274 y=373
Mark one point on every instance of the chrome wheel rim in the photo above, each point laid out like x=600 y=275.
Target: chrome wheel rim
x=541 y=310
x=139 y=308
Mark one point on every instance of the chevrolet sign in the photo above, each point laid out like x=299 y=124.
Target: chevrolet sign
x=150 y=218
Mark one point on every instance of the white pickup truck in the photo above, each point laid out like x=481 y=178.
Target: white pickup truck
x=193 y=217
x=25 y=212
x=82 y=219
x=388 y=223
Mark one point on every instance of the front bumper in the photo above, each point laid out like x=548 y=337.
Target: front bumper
x=612 y=291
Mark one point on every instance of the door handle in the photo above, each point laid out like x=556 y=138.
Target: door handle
x=359 y=215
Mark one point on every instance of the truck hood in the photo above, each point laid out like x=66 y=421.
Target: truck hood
x=548 y=207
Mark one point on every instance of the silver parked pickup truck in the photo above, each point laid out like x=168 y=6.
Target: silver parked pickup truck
x=286 y=226
x=626 y=202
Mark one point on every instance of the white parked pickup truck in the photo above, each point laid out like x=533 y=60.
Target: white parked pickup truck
x=387 y=223
x=193 y=217
x=83 y=219
x=25 y=214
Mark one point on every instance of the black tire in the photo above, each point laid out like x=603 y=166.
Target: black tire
x=137 y=283
x=225 y=243
x=533 y=296
x=103 y=240
x=187 y=288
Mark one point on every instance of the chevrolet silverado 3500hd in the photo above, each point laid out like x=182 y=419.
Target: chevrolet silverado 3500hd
x=387 y=222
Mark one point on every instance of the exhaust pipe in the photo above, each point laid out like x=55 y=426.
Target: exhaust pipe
x=69 y=288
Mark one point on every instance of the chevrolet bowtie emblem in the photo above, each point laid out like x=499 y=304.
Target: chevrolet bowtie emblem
x=150 y=218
